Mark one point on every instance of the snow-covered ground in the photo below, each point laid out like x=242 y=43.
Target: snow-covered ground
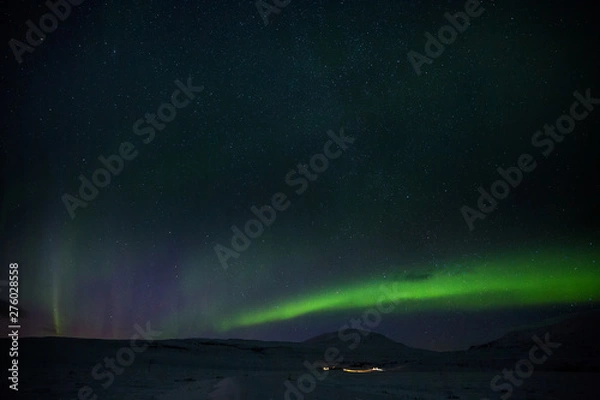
x=568 y=367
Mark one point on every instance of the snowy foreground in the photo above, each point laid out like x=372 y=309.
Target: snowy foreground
x=564 y=364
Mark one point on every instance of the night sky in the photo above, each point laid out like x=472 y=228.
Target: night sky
x=362 y=167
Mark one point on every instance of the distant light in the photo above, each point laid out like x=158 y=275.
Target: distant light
x=362 y=371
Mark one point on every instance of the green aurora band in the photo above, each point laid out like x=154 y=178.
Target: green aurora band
x=511 y=282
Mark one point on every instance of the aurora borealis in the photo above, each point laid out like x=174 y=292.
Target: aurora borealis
x=382 y=219
x=516 y=282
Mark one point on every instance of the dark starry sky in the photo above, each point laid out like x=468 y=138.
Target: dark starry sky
x=387 y=210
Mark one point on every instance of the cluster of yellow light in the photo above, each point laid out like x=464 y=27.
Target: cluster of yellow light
x=362 y=371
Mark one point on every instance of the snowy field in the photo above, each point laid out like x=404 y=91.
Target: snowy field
x=67 y=369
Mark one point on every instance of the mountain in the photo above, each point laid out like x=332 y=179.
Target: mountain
x=365 y=365
x=345 y=338
x=575 y=335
